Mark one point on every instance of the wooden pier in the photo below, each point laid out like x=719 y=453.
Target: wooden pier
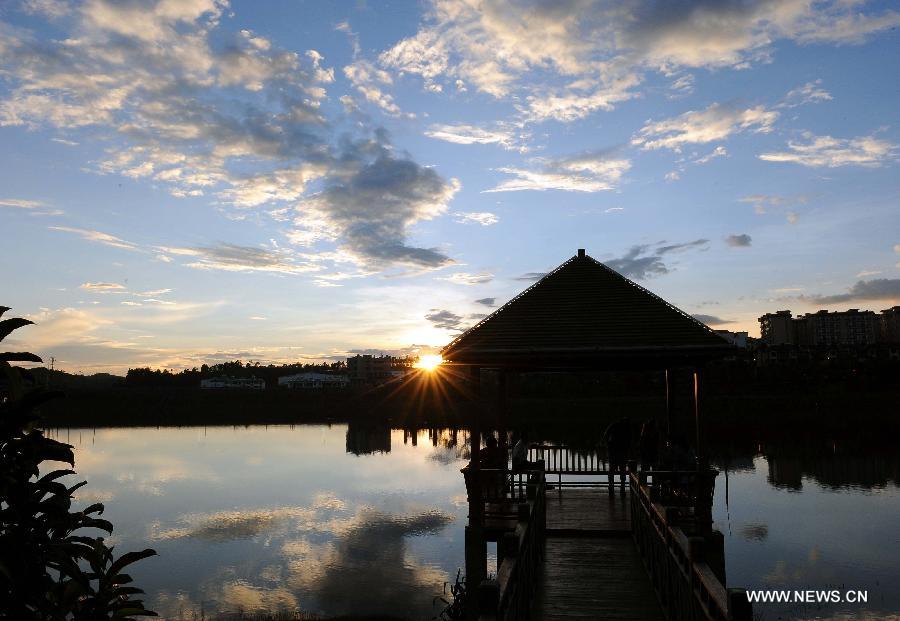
x=591 y=568
x=642 y=550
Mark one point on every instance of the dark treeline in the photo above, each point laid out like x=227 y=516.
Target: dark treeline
x=145 y=377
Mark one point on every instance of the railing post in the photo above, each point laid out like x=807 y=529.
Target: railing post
x=739 y=607
x=696 y=549
x=488 y=600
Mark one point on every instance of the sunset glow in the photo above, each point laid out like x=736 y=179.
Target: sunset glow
x=429 y=362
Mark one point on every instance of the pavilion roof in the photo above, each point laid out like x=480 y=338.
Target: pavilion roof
x=585 y=314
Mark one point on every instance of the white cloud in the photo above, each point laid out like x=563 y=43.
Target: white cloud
x=235 y=258
x=591 y=172
x=825 y=151
x=719 y=151
x=716 y=122
x=101 y=287
x=464 y=278
x=370 y=82
x=98 y=237
x=484 y=218
x=471 y=134
x=602 y=48
x=809 y=93
x=205 y=112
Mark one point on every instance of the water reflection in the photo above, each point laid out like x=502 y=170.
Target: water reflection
x=364 y=519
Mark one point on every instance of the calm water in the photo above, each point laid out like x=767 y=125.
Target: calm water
x=333 y=520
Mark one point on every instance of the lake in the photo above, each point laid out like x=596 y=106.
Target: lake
x=332 y=520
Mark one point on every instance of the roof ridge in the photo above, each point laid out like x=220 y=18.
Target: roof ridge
x=653 y=295
x=531 y=287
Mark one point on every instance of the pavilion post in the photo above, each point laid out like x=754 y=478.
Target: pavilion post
x=475 y=542
x=502 y=407
x=697 y=412
x=668 y=407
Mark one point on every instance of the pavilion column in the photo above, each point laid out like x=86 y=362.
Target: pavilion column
x=681 y=409
x=502 y=408
x=475 y=542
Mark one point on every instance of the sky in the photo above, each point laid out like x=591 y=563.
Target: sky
x=190 y=181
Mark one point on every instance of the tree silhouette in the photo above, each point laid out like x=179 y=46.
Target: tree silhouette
x=50 y=569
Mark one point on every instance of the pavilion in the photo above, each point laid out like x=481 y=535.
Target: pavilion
x=582 y=316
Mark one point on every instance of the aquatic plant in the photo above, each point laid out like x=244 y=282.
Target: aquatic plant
x=50 y=569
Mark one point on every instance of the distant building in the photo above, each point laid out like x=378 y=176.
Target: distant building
x=314 y=381
x=852 y=327
x=824 y=329
x=368 y=369
x=233 y=383
x=889 y=328
x=738 y=339
x=777 y=328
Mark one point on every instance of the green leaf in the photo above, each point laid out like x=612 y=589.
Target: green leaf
x=8 y=325
x=19 y=356
x=130 y=557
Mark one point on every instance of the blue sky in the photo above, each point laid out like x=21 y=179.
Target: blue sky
x=190 y=181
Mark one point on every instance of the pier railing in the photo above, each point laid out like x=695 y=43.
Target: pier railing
x=687 y=586
x=581 y=468
x=519 y=554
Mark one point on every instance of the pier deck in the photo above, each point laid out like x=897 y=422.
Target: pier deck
x=591 y=568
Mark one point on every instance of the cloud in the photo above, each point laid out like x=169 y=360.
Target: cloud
x=444 y=319
x=98 y=237
x=370 y=81
x=470 y=134
x=200 y=111
x=601 y=50
x=739 y=241
x=875 y=289
x=371 y=204
x=101 y=286
x=719 y=151
x=34 y=208
x=645 y=261
x=531 y=276
x=484 y=218
x=589 y=172
x=711 y=320
x=486 y=301
x=825 y=151
x=464 y=278
x=809 y=93
x=716 y=122
x=235 y=258
x=17 y=203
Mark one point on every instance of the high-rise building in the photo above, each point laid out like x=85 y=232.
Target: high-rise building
x=777 y=328
x=889 y=328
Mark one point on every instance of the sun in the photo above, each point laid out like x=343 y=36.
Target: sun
x=429 y=362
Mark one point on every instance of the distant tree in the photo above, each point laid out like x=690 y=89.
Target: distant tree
x=50 y=569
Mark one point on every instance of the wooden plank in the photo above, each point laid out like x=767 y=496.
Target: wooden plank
x=598 y=578
x=590 y=511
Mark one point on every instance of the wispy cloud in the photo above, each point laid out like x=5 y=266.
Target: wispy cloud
x=828 y=152
x=809 y=93
x=484 y=218
x=486 y=301
x=465 y=278
x=711 y=320
x=102 y=286
x=646 y=261
x=98 y=237
x=875 y=289
x=716 y=122
x=235 y=258
x=461 y=133
x=589 y=172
